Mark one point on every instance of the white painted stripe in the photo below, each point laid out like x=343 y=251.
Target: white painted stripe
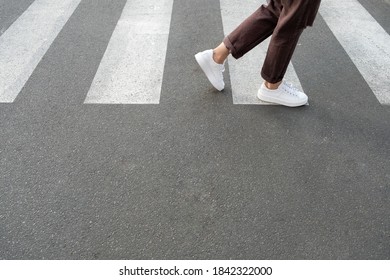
x=131 y=70
x=245 y=72
x=365 y=41
x=27 y=40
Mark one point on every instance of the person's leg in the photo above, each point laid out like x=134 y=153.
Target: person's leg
x=254 y=30
x=280 y=50
x=291 y=23
x=246 y=36
x=251 y=32
x=279 y=54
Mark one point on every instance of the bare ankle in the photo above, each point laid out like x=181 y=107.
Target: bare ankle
x=272 y=86
x=218 y=58
x=220 y=53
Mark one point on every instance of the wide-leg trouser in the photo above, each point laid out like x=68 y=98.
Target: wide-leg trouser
x=285 y=21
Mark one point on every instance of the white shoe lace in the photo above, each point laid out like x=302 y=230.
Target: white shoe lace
x=290 y=89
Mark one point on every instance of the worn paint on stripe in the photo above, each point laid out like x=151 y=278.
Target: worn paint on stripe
x=26 y=41
x=364 y=40
x=245 y=72
x=131 y=70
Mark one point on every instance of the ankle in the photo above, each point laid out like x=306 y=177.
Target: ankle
x=272 y=86
x=220 y=59
x=220 y=53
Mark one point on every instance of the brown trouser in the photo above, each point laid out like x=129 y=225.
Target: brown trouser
x=284 y=20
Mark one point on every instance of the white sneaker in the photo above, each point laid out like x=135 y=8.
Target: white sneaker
x=285 y=95
x=212 y=69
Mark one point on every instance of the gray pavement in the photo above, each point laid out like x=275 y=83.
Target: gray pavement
x=194 y=177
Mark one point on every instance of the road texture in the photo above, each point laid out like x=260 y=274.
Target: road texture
x=195 y=176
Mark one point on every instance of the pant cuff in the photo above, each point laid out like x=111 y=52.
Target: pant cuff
x=231 y=48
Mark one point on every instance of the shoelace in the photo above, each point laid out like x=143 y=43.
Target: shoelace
x=290 y=89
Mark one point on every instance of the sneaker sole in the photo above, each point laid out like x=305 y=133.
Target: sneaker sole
x=278 y=101
x=208 y=72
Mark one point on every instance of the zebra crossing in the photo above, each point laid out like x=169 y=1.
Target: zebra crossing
x=24 y=43
x=142 y=29
x=365 y=41
x=131 y=70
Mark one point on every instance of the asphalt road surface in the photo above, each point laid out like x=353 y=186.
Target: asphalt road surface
x=113 y=145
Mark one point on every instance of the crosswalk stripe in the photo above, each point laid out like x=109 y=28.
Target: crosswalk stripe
x=27 y=40
x=132 y=67
x=364 y=40
x=245 y=72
